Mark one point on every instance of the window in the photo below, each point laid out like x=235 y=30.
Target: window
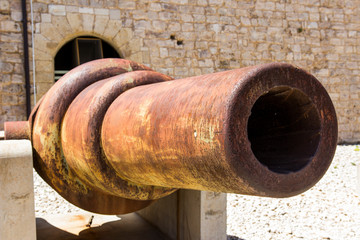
x=81 y=50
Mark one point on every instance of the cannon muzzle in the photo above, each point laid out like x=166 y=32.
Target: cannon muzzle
x=111 y=136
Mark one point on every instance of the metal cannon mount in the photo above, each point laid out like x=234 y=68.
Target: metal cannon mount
x=112 y=136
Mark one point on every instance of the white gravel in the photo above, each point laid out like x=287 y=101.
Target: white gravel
x=49 y=202
x=330 y=210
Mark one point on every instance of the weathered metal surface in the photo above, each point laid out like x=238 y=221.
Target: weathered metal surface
x=49 y=160
x=193 y=132
x=87 y=160
x=17 y=130
x=111 y=139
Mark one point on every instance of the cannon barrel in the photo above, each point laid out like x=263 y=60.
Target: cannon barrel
x=112 y=136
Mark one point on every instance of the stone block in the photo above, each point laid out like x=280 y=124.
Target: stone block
x=189 y=214
x=100 y=3
x=181 y=71
x=159 y=26
x=17 y=191
x=9 y=99
x=164 y=52
x=42 y=88
x=245 y=21
x=112 y=28
x=213 y=215
x=6 y=68
x=72 y=9
x=115 y=14
x=136 y=57
x=99 y=23
x=15 y=78
x=57 y=10
x=155 y=7
x=142 y=24
x=14 y=88
x=127 y=5
x=16 y=16
x=4 y=5
x=199 y=18
x=136 y=44
x=10 y=26
x=187 y=27
x=101 y=11
x=44 y=66
x=145 y=57
x=88 y=22
x=50 y=32
x=62 y=26
x=75 y=21
x=40 y=7
x=123 y=37
x=86 y=10
x=208 y=70
x=40 y=43
x=45 y=17
x=206 y=63
x=11 y=37
x=174 y=26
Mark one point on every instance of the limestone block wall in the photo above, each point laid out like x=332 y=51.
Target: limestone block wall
x=12 y=89
x=184 y=38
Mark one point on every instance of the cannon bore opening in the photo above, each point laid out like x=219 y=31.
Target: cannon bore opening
x=284 y=129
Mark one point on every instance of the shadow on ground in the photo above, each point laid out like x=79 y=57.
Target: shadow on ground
x=230 y=237
x=127 y=229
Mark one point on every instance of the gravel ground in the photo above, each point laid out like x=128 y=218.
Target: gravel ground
x=49 y=202
x=330 y=210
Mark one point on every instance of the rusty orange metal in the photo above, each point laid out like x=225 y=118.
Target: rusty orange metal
x=46 y=131
x=267 y=130
x=87 y=160
x=112 y=135
x=17 y=130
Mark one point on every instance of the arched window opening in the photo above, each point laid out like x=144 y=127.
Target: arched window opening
x=81 y=50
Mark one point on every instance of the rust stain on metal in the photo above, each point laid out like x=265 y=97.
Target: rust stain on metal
x=50 y=161
x=194 y=132
x=112 y=135
x=82 y=145
x=17 y=130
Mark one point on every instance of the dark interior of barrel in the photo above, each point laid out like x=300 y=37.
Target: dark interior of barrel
x=284 y=129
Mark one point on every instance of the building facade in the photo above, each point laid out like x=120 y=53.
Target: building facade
x=184 y=38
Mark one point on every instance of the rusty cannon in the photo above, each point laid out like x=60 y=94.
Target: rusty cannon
x=112 y=136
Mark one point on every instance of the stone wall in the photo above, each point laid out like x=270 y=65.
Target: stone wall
x=12 y=88
x=185 y=38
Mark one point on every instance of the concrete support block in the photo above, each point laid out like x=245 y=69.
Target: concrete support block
x=17 y=214
x=213 y=216
x=189 y=214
